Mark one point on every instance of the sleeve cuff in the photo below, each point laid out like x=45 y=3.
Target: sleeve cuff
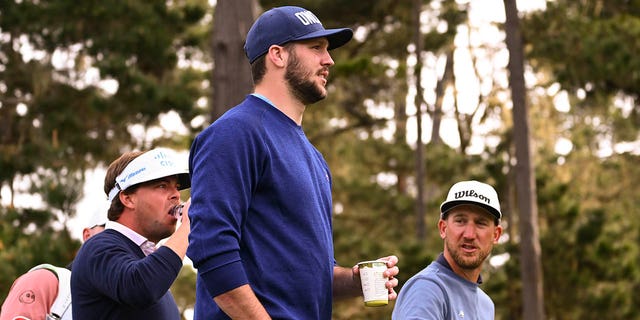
x=224 y=278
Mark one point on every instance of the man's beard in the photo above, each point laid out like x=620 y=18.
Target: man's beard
x=463 y=261
x=300 y=86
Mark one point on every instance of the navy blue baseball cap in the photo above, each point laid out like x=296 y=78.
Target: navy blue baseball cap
x=285 y=24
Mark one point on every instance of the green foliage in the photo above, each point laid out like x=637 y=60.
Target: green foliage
x=56 y=122
x=588 y=45
x=27 y=238
x=136 y=44
x=587 y=206
x=580 y=254
x=589 y=229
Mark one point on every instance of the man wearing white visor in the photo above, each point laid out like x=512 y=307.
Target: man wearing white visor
x=449 y=287
x=119 y=273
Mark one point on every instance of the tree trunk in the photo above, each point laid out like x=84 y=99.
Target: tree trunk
x=530 y=264
x=231 y=73
x=417 y=41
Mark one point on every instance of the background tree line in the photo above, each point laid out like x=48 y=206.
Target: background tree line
x=81 y=82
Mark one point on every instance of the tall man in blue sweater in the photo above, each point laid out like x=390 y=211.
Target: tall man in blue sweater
x=261 y=234
x=449 y=287
x=118 y=274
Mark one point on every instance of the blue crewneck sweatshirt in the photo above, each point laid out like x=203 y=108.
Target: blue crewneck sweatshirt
x=261 y=214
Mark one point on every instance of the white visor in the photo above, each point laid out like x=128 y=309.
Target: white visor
x=151 y=165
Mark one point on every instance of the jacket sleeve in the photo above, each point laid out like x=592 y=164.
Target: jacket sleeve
x=125 y=276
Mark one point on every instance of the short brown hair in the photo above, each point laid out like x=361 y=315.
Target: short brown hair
x=259 y=66
x=115 y=168
x=258 y=69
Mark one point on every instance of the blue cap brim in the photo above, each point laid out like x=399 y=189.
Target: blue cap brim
x=337 y=37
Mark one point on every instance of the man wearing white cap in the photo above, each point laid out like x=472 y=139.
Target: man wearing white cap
x=449 y=287
x=261 y=237
x=119 y=274
x=45 y=291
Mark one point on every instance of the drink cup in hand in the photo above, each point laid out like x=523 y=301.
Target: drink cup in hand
x=373 y=283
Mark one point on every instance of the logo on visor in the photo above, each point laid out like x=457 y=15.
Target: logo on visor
x=132 y=174
x=164 y=160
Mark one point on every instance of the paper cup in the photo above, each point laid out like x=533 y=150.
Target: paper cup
x=373 y=283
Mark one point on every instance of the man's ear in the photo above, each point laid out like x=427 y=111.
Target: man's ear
x=276 y=55
x=497 y=233
x=128 y=200
x=442 y=227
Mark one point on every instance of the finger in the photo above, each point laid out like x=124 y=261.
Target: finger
x=391 y=283
x=391 y=272
x=390 y=260
x=392 y=294
x=355 y=270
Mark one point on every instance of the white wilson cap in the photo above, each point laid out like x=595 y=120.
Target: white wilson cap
x=475 y=193
x=151 y=165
